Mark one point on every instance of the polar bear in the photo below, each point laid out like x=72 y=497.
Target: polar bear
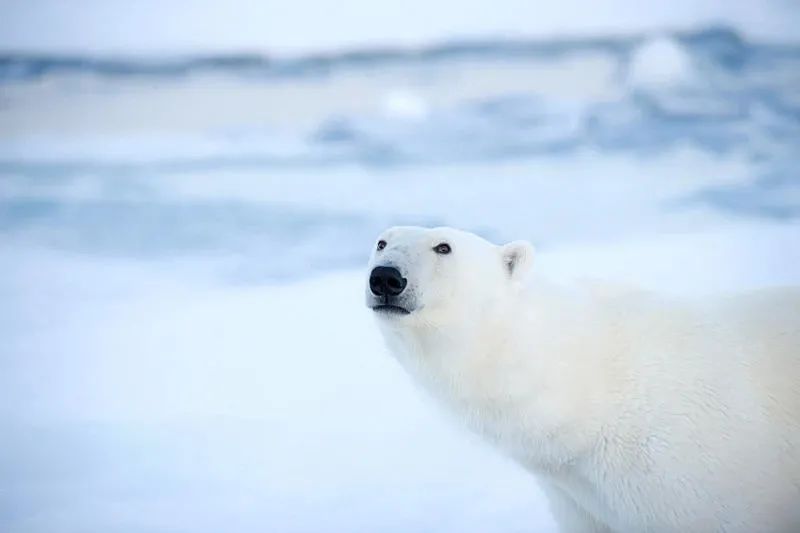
x=635 y=413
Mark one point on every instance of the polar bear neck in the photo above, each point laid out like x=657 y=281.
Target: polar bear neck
x=518 y=374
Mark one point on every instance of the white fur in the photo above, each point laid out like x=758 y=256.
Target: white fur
x=636 y=413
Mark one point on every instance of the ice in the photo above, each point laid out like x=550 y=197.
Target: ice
x=116 y=27
x=404 y=105
x=174 y=400
x=660 y=63
x=182 y=235
x=443 y=104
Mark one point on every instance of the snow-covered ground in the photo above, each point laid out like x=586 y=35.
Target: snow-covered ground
x=183 y=228
x=150 y=396
x=137 y=398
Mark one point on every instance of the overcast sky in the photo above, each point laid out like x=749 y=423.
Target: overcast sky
x=299 y=26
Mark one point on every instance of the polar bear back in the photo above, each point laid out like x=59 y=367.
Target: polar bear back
x=715 y=416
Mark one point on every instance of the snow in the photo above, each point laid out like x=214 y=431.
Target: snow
x=176 y=403
x=175 y=400
x=184 y=343
x=199 y=26
x=660 y=62
x=404 y=105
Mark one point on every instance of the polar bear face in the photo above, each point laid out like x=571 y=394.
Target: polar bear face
x=429 y=275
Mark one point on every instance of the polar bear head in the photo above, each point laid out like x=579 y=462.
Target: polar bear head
x=422 y=275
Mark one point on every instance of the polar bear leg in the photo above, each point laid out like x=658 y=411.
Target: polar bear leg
x=571 y=517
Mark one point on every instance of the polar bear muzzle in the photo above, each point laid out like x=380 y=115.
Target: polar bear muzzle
x=387 y=284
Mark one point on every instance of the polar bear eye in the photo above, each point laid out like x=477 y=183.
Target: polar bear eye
x=442 y=248
x=381 y=245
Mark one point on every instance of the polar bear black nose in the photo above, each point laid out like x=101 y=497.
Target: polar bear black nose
x=386 y=281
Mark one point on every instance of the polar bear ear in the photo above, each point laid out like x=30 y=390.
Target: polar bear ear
x=517 y=258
